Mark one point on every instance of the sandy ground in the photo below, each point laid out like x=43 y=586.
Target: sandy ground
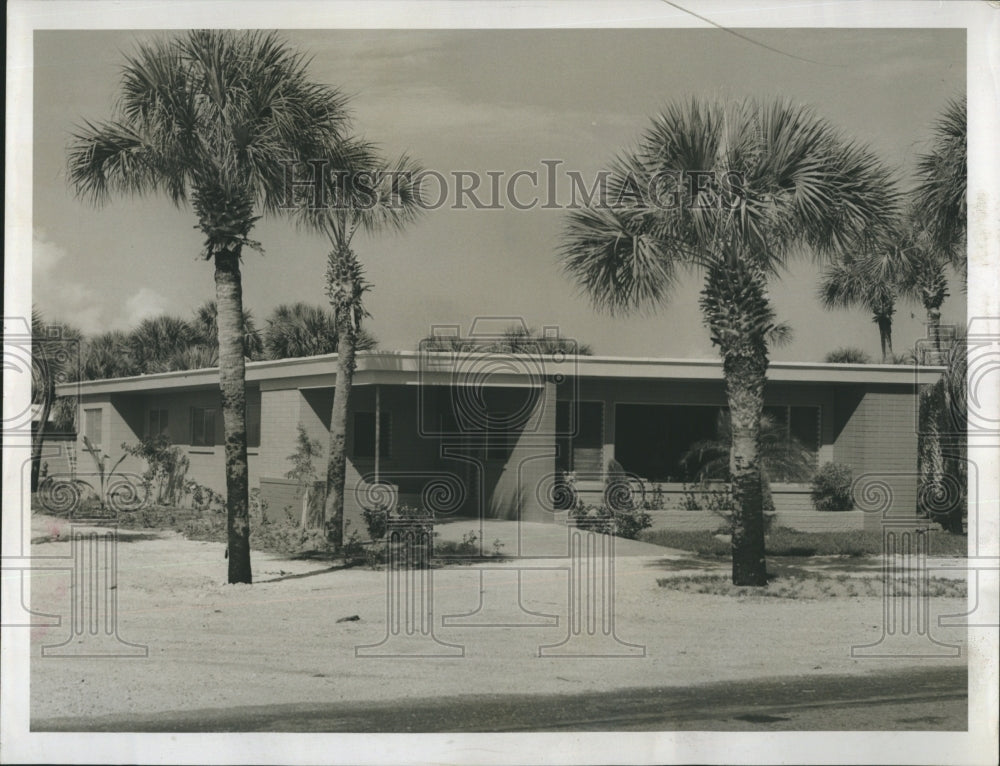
x=279 y=641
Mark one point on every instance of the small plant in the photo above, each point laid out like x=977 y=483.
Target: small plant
x=593 y=518
x=375 y=520
x=304 y=471
x=166 y=467
x=831 y=488
x=655 y=500
x=625 y=522
x=718 y=498
x=204 y=498
x=107 y=493
x=419 y=519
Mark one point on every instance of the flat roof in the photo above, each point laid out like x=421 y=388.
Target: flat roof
x=457 y=368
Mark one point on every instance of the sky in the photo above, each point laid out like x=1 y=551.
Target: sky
x=479 y=101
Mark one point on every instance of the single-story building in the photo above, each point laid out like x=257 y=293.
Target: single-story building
x=475 y=434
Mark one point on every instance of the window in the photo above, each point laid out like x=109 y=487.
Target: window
x=158 y=425
x=364 y=434
x=654 y=441
x=580 y=426
x=790 y=442
x=253 y=424
x=202 y=426
x=685 y=443
x=93 y=425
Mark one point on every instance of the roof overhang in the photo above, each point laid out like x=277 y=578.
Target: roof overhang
x=480 y=369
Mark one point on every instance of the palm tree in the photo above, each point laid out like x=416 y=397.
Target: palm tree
x=206 y=330
x=730 y=190
x=526 y=340
x=55 y=358
x=513 y=340
x=782 y=456
x=870 y=281
x=108 y=355
x=374 y=197
x=214 y=117
x=158 y=338
x=300 y=329
x=940 y=196
x=196 y=357
x=847 y=355
x=923 y=278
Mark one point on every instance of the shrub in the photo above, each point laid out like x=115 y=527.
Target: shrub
x=166 y=467
x=204 y=498
x=655 y=500
x=831 y=488
x=466 y=548
x=624 y=522
x=718 y=498
x=377 y=519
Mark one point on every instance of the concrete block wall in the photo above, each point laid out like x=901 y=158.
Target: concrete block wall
x=877 y=438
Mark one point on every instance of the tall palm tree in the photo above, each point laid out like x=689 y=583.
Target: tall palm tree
x=214 y=117
x=300 y=329
x=206 y=330
x=730 y=190
x=374 y=197
x=55 y=358
x=870 y=281
x=941 y=185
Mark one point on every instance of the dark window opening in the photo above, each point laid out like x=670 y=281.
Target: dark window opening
x=158 y=424
x=364 y=434
x=253 y=424
x=688 y=443
x=202 y=426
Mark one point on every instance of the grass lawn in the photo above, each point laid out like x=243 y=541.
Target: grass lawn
x=782 y=541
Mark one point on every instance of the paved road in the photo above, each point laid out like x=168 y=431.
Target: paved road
x=910 y=699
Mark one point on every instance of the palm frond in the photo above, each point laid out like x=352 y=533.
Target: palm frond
x=940 y=196
x=756 y=181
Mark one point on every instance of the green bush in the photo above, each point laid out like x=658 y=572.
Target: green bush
x=624 y=522
x=831 y=488
x=375 y=521
x=718 y=498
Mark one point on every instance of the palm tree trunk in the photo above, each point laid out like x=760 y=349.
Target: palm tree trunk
x=885 y=336
x=232 y=382
x=745 y=368
x=36 y=445
x=337 y=466
x=934 y=332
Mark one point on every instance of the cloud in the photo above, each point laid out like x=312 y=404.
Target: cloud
x=144 y=304
x=62 y=299
x=58 y=298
